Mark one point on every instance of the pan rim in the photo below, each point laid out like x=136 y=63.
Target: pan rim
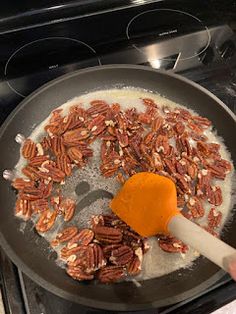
x=58 y=291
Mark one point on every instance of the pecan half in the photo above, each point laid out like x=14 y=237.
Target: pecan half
x=57 y=145
x=63 y=163
x=196 y=208
x=29 y=149
x=74 y=137
x=107 y=234
x=214 y=218
x=23 y=207
x=39 y=205
x=84 y=237
x=78 y=274
x=65 y=235
x=134 y=267
x=172 y=245
x=46 y=221
x=110 y=274
x=121 y=256
x=75 y=154
x=95 y=258
x=67 y=206
x=21 y=184
x=37 y=160
x=214 y=195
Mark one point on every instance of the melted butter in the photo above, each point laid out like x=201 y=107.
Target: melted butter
x=156 y=262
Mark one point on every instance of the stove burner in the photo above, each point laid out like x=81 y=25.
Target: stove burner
x=45 y=59
x=171 y=33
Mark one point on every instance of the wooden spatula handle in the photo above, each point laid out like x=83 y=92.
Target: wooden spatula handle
x=211 y=247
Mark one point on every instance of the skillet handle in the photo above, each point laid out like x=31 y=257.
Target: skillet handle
x=211 y=247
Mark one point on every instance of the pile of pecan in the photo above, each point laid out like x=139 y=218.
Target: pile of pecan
x=108 y=251
x=169 y=142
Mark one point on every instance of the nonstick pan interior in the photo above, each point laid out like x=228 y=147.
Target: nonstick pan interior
x=31 y=253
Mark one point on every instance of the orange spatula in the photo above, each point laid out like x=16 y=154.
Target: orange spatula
x=147 y=202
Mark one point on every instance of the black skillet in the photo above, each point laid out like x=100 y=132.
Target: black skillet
x=31 y=252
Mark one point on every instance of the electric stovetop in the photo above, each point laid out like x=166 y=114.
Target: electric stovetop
x=196 y=39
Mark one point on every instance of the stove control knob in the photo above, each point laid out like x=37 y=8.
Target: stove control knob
x=227 y=49
x=206 y=56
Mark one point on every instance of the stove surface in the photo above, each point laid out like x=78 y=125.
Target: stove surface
x=196 y=40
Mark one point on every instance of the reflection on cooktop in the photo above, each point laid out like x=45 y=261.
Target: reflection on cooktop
x=161 y=26
x=49 y=58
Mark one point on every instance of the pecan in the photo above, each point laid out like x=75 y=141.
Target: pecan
x=97 y=125
x=67 y=206
x=46 y=143
x=46 y=221
x=75 y=154
x=198 y=137
x=99 y=108
x=134 y=267
x=21 y=184
x=149 y=138
x=65 y=235
x=31 y=193
x=94 y=258
x=57 y=145
x=30 y=172
x=29 y=149
x=162 y=144
x=45 y=188
x=214 y=218
x=196 y=208
x=78 y=274
x=157 y=124
x=203 y=148
x=170 y=166
x=145 y=118
x=181 y=166
x=183 y=146
x=224 y=164
x=23 y=207
x=63 y=163
x=180 y=201
x=74 y=256
x=48 y=170
x=120 y=178
x=203 y=122
x=107 y=249
x=192 y=170
x=184 y=114
x=172 y=245
x=39 y=205
x=149 y=102
x=183 y=184
x=131 y=238
x=107 y=234
x=179 y=128
x=217 y=172
x=74 y=137
x=37 y=160
x=122 y=137
x=110 y=274
x=204 y=179
x=214 y=195
x=84 y=237
x=121 y=256
x=194 y=127
x=96 y=220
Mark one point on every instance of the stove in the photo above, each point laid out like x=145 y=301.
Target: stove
x=42 y=41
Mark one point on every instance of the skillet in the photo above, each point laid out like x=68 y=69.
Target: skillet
x=31 y=253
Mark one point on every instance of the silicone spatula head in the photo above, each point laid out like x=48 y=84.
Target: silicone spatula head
x=146 y=202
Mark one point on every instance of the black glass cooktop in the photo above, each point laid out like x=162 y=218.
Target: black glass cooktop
x=196 y=39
